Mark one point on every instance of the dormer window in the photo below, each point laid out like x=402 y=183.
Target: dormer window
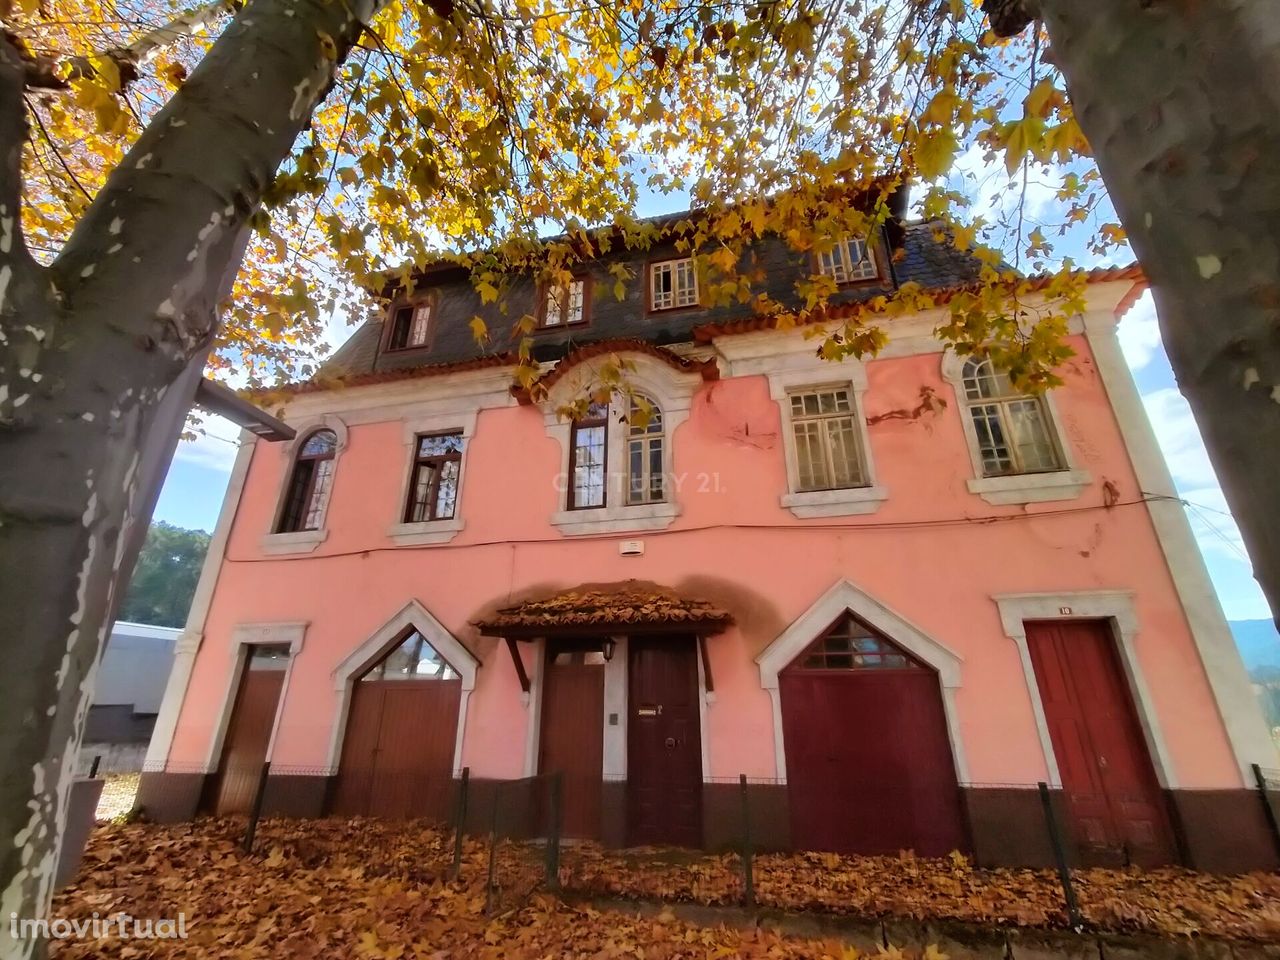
x=673 y=284
x=848 y=260
x=409 y=326
x=564 y=304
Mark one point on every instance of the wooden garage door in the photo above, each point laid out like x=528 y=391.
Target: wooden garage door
x=402 y=723
x=869 y=765
x=1113 y=797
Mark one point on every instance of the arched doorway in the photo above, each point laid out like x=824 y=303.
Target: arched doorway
x=869 y=762
x=402 y=724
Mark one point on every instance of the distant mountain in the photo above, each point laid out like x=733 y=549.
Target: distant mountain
x=1259 y=643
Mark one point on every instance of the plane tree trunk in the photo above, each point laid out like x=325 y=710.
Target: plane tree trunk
x=98 y=356
x=1181 y=104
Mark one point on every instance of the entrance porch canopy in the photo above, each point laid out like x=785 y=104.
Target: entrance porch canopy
x=631 y=609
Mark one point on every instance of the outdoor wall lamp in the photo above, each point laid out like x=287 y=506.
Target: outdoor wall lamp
x=606 y=647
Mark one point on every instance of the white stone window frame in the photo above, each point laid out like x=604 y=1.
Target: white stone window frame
x=672 y=391
x=803 y=374
x=413 y=616
x=304 y=541
x=841 y=598
x=1115 y=607
x=427 y=532
x=244 y=637
x=1016 y=488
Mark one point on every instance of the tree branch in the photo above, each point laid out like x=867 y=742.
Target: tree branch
x=44 y=73
x=13 y=135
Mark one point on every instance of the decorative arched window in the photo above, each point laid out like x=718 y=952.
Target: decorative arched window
x=849 y=644
x=309 y=483
x=413 y=658
x=1012 y=428
x=644 y=452
x=587 y=458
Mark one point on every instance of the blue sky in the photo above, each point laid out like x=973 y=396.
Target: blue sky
x=197 y=479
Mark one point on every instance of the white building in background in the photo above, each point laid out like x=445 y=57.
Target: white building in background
x=130 y=684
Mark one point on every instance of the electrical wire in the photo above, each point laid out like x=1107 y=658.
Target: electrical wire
x=703 y=528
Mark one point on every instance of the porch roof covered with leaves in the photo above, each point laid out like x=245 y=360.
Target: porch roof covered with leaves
x=632 y=608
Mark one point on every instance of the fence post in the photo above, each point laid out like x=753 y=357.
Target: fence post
x=493 y=850
x=1261 y=779
x=1060 y=855
x=748 y=880
x=97 y=762
x=256 y=811
x=460 y=820
x=553 y=831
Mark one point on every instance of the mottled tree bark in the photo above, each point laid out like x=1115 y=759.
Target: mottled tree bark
x=97 y=351
x=1181 y=103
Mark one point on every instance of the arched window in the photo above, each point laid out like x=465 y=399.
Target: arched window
x=587 y=447
x=849 y=644
x=1012 y=428
x=644 y=452
x=309 y=483
x=413 y=658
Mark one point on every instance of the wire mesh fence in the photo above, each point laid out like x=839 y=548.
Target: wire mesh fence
x=514 y=837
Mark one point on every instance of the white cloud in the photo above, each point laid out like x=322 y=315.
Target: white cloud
x=1140 y=333
x=1213 y=524
x=214 y=449
x=1180 y=439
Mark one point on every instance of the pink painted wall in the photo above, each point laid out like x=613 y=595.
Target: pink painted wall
x=733 y=544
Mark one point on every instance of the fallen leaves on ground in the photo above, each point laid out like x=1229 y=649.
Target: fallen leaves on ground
x=376 y=889
x=1166 y=901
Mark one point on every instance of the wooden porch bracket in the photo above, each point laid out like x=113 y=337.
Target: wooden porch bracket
x=519 y=664
x=707 y=679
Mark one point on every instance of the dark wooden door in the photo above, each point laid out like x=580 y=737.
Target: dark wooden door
x=244 y=751
x=869 y=765
x=397 y=754
x=572 y=738
x=664 y=743
x=1112 y=795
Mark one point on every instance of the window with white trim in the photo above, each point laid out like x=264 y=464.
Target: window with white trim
x=672 y=284
x=825 y=429
x=564 y=304
x=587 y=446
x=1012 y=428
x=849 y=259
x=645 y=453
x=410 y=325
x=309 y=483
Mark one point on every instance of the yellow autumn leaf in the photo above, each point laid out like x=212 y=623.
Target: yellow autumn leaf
x=935 y=152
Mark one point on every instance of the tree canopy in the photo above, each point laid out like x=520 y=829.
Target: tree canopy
x=472 y=129
x=164 y=578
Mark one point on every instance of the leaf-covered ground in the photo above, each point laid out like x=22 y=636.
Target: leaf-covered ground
x=361 y=888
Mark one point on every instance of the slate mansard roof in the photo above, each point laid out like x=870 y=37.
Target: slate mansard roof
x=924 y=261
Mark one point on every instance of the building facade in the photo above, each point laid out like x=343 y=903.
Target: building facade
x=894 y=594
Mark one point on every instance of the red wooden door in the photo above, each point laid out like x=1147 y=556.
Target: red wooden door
x=253 y=718
x=869 y=764
x=664 y=744
x=397 y=757
x=1113 y=797
x=572 y=740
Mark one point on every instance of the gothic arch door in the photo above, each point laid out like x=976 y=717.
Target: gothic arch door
x=869 y=763
x=397 y=755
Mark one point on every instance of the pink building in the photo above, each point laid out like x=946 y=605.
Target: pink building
x=893 y=594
